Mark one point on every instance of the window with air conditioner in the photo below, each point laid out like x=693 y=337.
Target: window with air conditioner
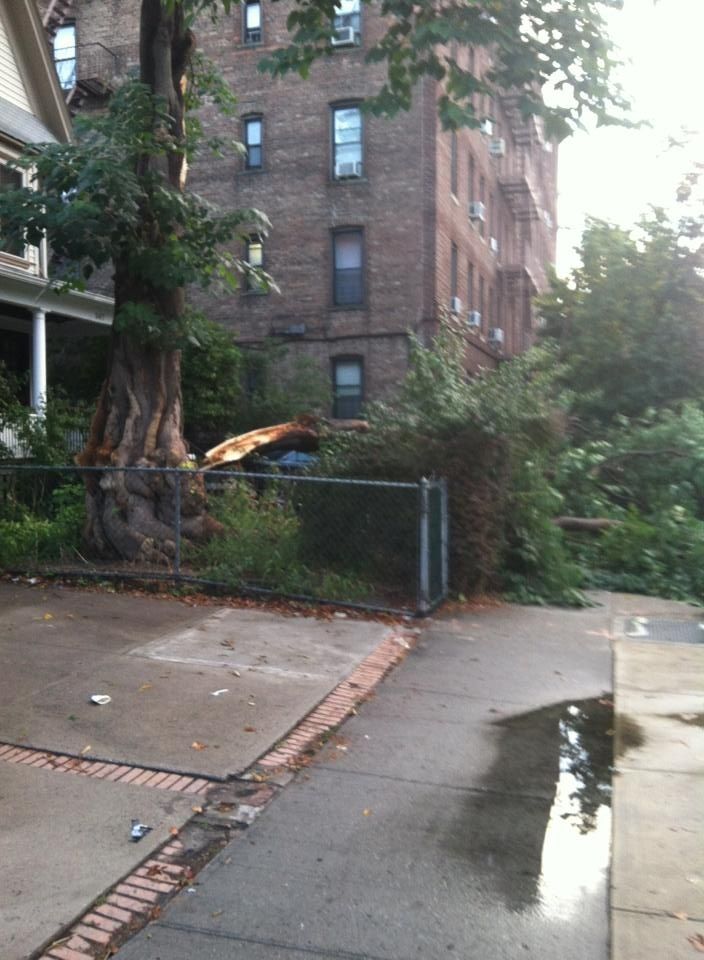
x=254 y=157
x=347 y=23
x=347 y=162
x=348 y=279
x=347 y=387
x=252 y=22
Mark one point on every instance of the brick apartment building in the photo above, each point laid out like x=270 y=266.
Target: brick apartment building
x=378 y=225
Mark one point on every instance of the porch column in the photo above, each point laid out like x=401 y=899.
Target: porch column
x=38 y=360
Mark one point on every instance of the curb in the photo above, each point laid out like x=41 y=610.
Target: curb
x=140 y=897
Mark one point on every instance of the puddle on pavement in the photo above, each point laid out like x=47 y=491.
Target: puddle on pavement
x=539 y=838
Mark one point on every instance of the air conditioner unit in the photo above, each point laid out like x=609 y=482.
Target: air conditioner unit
x=496 y=337
x=455 y=305
x=344 y=37
x=474 y=319
x=477 y=210
x=487 y=127
x=497 y=147
x=494 y=246
x=348 y=168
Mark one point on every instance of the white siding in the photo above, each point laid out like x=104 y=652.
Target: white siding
x=11 y=86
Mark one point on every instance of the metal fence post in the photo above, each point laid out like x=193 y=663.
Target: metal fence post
x=177 y=524
x=424 y=549
x=444 y=538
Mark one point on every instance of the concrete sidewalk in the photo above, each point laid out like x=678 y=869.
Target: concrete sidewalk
x=464 y=811
x=657 y=894
x=195 y=690
x=431 y=827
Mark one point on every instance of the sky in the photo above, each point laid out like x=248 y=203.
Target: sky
x=616 y=174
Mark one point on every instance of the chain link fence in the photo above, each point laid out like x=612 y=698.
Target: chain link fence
x=375 y=545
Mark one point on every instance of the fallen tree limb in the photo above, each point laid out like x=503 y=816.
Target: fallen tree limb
x=306 y=433
x=585 y=524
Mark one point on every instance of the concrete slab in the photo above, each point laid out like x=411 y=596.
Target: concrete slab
x=522 y=655
x=658 y=863
x=64 y=840
x=457 y=747
x=638 y=937
x=178 y=943
x=655 y=667
x=666 y=732
x=273 y=670
x=83 y=620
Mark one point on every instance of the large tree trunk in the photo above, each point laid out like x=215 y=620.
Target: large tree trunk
x=138 y=422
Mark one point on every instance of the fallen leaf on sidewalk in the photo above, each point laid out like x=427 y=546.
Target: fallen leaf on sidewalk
x=197 y=809
x=145 y=686
x=48 y=616
x=366 y=812
x=86 y=749
x=697 y=941
x=197 y=745
x=235 y=673
x=174 y=831
x=216 y=913
x=250 y=729
x=680 y=915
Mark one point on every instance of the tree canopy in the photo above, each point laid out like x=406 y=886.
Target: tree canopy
x=628 y=321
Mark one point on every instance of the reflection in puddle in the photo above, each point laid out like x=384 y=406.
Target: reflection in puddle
x=538 y=838
x=576 y=846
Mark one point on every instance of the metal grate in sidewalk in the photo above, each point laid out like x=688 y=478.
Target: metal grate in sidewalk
x=665 y=631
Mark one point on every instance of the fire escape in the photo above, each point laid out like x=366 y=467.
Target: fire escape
x=521 y=176
x=86 y=71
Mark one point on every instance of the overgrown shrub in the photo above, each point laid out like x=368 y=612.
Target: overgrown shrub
x=489 y=437
x=261 y=545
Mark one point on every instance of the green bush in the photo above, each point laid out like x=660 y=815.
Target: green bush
x=28 y=539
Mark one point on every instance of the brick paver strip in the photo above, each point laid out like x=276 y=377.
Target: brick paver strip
x=128 y=890
x=114 y=913
x=92 y=933
x=129 y=904
x=64 y=953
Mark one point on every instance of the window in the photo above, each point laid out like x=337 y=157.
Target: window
x=252 y=21
x=453 y=271
x=253 y=143
x=347 y=22
x=348 y=287
x=453 y=161
x=482 y=198
x=470 y=286
x=11 y=180
x=470 y=178
x=254 y=256
x=65 y=55
x=347 y=387
x=481 y=295
x=346 y=142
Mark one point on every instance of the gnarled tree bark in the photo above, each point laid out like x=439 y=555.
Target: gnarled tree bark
x=139 y=421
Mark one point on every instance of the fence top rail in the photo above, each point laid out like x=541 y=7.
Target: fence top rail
x=224 y=474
